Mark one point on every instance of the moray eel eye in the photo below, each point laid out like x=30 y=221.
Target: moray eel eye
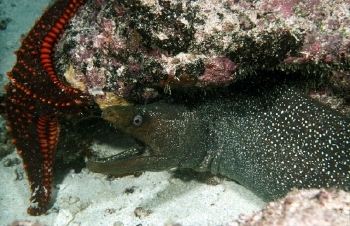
x=137 y=120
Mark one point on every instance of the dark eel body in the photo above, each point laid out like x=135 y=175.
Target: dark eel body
x=270 y=141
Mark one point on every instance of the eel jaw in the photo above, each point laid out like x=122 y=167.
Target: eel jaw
x=132 y=160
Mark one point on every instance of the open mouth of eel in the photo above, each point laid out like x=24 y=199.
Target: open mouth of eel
x=139 y=149
x=123 y=155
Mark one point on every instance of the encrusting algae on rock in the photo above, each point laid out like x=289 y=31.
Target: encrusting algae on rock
x=138 y=49
x=305 y=207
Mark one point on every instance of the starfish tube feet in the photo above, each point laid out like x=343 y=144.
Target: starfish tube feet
x=35 y=97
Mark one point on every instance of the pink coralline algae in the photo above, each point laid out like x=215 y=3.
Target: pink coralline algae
x=288 y=8
x=218 y=71
x=142 y=49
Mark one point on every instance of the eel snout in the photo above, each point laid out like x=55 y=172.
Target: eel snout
x=159 y=128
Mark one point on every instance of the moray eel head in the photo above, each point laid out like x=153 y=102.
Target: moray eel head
x=160 y=127
x=270 y=140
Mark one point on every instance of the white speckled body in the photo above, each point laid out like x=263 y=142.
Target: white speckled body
x=277 y=141
x=270 y=141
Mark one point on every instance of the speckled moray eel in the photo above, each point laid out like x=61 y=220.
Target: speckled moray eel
x=269 y=142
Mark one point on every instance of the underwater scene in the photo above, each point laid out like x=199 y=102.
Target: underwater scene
x=174 y=112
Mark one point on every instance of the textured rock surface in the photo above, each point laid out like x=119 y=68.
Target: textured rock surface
x=142 y=49
x=304 y=207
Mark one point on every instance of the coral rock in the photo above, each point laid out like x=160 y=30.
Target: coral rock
x=131 y=47
x=304 y=207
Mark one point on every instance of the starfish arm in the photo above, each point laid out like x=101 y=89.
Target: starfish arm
x=34 y=72
x=35 y=96
x=35 y=138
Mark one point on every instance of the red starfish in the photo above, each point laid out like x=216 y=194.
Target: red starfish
x=35 y=96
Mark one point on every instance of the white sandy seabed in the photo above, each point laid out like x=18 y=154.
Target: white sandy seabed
x=87 y=198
